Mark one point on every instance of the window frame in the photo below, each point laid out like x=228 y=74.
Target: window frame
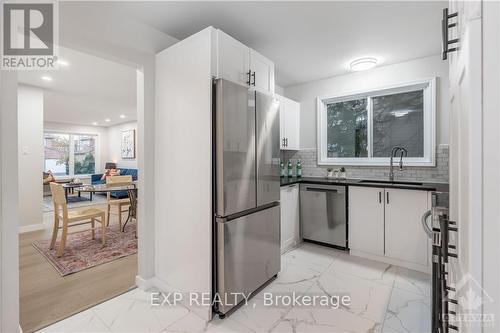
x=429 y=95
x=71 y=161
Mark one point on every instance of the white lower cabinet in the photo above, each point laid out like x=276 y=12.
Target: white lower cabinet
x=366 y=220
x=405 y=238
x=290 y=217
x=385 y=224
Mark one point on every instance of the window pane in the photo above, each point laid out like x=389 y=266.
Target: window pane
x=398 y=120
x=57 y=153
x=347 y=129
x=84 y=154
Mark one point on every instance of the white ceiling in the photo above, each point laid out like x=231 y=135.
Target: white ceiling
x=90 y=89
x=308 y=40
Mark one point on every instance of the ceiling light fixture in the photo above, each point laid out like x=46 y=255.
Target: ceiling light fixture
x=95 y=123
x=107 y=120
x=363 y=64
x=46 y=78
x=122 y=116
x=62 y=62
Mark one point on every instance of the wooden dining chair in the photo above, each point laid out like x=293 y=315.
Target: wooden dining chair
x=121 y=204
x=73 y=218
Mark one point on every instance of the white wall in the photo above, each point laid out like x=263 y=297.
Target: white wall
x=101 y=142
x=183 y=148
x=30 y=143
x=9 y=204
x=306 y=93
x=491 y=159
x=114 y=139
x=279 y=90
x=98 y=29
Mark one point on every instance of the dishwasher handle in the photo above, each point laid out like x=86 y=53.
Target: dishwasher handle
x=313 y=189
x=322 y=188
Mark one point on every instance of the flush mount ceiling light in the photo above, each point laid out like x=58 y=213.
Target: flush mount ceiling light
x=107 y=120
x=95 y=123
x=122 y=116
x=46 y=78
x=363 y=64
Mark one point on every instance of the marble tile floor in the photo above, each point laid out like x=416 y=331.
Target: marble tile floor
x=383 y=298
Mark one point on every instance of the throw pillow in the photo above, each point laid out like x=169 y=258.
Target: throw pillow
x=48 y=177
x=110 y=173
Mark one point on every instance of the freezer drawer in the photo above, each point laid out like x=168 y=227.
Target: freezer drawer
x=248 y=253
x=323 y=214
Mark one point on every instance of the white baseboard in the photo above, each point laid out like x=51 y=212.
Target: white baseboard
x=144 y=284
x=392 y=261
x=290 y=244
x=31 y=227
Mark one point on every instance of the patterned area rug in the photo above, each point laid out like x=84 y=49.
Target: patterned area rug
x=83 y=252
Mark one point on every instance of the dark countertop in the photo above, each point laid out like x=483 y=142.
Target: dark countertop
x=408 y=185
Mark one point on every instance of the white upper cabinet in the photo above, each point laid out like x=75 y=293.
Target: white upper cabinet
x=289 y=124
x=233 y=59
x=238 y=63
x=262 y=72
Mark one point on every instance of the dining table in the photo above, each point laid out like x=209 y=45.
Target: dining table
x=131 y=189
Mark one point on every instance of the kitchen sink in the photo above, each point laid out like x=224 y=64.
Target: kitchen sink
x=388 y=182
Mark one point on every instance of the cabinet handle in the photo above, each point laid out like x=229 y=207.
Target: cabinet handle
x=286 y=142
x=249 y=73
x=387 y=194
x=253 y=75
x=379 y=197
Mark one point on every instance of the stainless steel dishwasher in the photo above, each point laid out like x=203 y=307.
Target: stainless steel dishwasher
x=323 y=214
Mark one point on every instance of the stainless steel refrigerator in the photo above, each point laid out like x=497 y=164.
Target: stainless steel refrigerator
x=246 y=192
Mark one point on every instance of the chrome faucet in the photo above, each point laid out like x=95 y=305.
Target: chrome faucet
x=403 y=153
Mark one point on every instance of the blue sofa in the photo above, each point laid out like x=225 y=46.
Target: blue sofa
x=96 y=179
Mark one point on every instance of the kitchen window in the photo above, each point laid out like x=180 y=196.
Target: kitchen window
x=361 y=128
x=69 y=154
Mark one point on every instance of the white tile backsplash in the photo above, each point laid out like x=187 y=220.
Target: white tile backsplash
x=310 y=167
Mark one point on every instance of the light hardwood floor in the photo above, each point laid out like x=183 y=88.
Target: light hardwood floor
x=46 y=297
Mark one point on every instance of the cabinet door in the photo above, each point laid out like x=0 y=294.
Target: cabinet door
x=405 y=238
x=366 y=220
x=233 y=61
x=282 y=101
x=262 y=72
x=292 y=125
x=289 y=124
x=290 y=227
